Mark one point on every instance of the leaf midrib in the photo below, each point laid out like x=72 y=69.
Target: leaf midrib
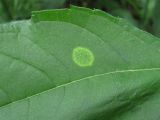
x=84 y=78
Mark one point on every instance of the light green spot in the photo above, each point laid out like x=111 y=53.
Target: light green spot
x=83 y=57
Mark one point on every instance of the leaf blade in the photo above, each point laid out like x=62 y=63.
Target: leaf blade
x=119 y=47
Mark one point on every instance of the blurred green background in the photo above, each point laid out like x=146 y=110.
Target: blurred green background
x=144 y=14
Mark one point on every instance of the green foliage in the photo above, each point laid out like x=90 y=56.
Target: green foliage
x=21 y=9
x=156 y=19
x=2 y=17
x=43 y=76
x=140 y=13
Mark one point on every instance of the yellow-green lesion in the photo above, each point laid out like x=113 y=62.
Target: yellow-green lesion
x=83 y=57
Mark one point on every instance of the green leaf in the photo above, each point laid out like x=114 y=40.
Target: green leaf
x=156 y=19
x=148 y=10
x=3 y=13
x=78 y=64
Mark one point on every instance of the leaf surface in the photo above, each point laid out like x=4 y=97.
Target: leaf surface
x=78 y=64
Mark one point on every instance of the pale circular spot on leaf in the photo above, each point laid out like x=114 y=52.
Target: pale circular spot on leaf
x=83 y=57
